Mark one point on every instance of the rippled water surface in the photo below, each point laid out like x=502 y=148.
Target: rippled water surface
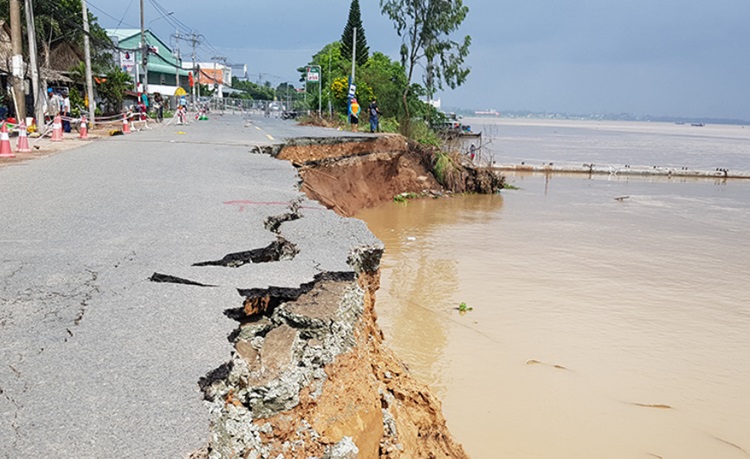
x=600 y=328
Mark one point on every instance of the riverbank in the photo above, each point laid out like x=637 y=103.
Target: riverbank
x=131 y=260
x=310 y=374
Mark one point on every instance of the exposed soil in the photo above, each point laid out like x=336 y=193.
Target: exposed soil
x=351 y=176
x=352 y=173
x=368 y=395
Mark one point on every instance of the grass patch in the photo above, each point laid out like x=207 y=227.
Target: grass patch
x=443 y=164
x=421 y=132
x=404 y=197
x=508 y=186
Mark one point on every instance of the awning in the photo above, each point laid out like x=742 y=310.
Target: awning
x=165 y=90
x=165 y=68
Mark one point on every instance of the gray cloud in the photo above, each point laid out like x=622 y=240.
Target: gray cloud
x=660 y=57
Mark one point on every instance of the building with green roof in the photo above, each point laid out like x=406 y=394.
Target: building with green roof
x=165 y=72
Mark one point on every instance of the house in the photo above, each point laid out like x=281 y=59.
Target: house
x=54 y=73
x=165 y=71
x=217 y=76
x=240 y=71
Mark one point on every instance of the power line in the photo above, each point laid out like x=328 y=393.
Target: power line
x=119 y=21
x=170 y=17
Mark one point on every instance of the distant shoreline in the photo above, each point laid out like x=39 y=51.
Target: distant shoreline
x=603 y=117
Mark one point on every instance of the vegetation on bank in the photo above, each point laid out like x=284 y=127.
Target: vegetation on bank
x=426 y=28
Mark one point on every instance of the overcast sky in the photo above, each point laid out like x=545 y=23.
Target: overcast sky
x=647 y=57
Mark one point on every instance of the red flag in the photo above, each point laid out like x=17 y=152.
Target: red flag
x=190 y=79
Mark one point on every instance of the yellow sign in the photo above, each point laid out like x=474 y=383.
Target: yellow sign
x=180 y=92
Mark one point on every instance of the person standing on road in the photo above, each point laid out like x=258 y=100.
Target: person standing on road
x=66 y=112
x=374 y=115
x=144 y=101
x=354 y=114
x=54 y=104
x=159 y=106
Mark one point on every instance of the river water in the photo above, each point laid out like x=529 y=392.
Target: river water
x=599 y=328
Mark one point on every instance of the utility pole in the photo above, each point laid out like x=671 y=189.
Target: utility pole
x=177 y=37
x=194 y=39
x=17 y=59
x=354 y=52
x=352 y=86
x=328 y=90
x=87 y=57
x=144 y=52
x=217 y=85
x=33 y=64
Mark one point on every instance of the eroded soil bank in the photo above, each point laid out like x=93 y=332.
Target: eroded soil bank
x=349 y=174
x=310 y=375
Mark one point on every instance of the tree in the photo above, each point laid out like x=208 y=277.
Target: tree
x=112 y=89
x=255 y=91
x=355 y=21
x=425 y=27
x=379 y=77
x=60 y=21
x=386 y=78
x=333 y=65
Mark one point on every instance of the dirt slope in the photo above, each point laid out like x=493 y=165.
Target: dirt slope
x=351 y=174
x=310 y=375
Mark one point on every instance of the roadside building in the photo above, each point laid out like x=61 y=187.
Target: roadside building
x=239 y=71
x=217 y=76
x=56 y=65
x=165 y=71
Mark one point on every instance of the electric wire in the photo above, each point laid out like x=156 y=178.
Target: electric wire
x=119 y=21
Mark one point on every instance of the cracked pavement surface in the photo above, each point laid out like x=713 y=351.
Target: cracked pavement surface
x=96 y=360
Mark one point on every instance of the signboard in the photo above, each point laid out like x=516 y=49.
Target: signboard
x=313 y=74
x=17 y=65
x=127 y=61
x=352 y=91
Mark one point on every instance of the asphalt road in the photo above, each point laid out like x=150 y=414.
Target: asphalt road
x=98 y=361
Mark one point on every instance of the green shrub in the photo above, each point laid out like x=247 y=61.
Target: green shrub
x=443 y=166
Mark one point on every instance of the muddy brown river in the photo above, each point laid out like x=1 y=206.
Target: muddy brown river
x=599 y=328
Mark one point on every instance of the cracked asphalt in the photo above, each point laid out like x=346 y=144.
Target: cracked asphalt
x=98 y=361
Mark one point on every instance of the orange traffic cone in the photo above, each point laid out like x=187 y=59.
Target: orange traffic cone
x=57 y=135
x=125 y=125
x=5 y=151
x=84 y=135
x=23 y=139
